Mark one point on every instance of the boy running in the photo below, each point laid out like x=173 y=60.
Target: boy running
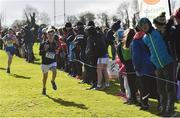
x=48 y=53
x=9 y=41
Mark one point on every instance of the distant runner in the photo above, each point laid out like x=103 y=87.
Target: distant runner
x=10 y=41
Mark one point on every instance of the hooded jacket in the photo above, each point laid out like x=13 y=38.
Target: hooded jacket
x=160 y=56
x=91 y=47
x=141 y=56
x=81 y=41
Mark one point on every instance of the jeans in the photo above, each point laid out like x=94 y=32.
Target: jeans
x=102 y=73
x=121 y=82
x=29 y=52
x=147 y=88
x=165 y=89
x=91 y=73
x=126 y=87
x=131 y=79
x=78 y=68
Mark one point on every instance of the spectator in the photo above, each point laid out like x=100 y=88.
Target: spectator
x=48 y=53
x=71 y=55
x=29 y=41
x=80 y=41
x=161 y=58
x=91 y=55
x=102 y=62
x=143 y=67
x=124 y=54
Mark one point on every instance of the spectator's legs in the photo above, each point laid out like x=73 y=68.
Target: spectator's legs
x=126 y=87
x=161 y=88
x=170 y=89
x=30 y=52
x=105 y=75
x=99 y=75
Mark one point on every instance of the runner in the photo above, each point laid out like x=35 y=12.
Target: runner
x=9 y=41
x=48 y=53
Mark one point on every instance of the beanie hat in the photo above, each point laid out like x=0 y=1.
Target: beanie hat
x=120 y=34
x=116 y=25
x=143 y=21
x=161 y=19
x=91 y=23
x=79 y=24
x=68 y=24
x=177 y=14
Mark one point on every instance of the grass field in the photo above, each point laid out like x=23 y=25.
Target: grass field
x=20 y=95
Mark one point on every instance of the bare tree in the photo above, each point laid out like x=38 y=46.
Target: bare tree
x=72 y=19
x=44 y=18
x=29 y=10
x=31 y=14
x=85 y=17
x=18 y=24
x=89 y=16
x=135 y=12
x=123 y=11
x=82 y=19
x=104 y=19
x=114 y=18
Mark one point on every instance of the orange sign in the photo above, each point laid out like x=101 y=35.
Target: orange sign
x=151 y=2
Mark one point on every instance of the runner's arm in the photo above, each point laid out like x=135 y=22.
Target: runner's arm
x=41 y=49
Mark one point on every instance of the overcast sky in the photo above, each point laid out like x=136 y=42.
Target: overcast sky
x=14 y=8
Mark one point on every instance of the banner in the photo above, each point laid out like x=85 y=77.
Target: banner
x=113 y=70
x=153 y=8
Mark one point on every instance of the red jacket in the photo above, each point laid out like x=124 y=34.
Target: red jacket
x=61 y=44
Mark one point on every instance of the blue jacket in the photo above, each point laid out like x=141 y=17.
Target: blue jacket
x=72 y=54
x=141 y=58
x=158 y=49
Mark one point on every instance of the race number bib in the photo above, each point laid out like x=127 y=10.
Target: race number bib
x=50 y=55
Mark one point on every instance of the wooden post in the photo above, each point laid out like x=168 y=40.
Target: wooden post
x=169 y=3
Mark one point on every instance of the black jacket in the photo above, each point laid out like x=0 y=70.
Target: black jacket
x=172 y=35
x=91 y=47
x=81 y=41
x=101 y=45
x=28 y=36
x=177 y=41
x=110 y=38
